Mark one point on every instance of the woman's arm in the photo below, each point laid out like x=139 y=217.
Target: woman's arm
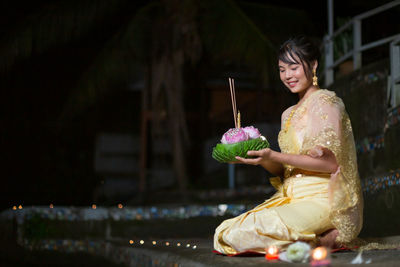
x=273 y=161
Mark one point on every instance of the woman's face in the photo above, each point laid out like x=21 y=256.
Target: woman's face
x=294 y=77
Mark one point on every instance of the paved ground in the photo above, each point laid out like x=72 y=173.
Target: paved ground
x=194 y=236
x=189 y=252
x=202 y=255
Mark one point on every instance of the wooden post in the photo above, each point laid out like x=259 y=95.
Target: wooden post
x=231 y=176
x=357 y=44
x=329 y=72
x=143 y=135
x=143 y=151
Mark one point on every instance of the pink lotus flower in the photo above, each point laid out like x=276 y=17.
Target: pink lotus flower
x=252 y=132
x=234 y=135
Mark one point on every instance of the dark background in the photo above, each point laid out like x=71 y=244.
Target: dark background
x=48 y=159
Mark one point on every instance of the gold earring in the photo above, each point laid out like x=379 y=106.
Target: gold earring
x=315 y=78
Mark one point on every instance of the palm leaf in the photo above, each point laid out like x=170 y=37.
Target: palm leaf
x=239 y=32
x=247 y=33
x=228 y=32
x=122 y=58
x=278 y=23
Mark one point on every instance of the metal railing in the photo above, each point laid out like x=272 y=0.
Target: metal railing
x=393 y=98
x=356 y=52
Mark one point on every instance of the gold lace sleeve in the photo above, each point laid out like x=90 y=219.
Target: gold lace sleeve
x=329 y=127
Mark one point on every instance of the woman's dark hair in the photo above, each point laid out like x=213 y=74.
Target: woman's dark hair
x=301 y=48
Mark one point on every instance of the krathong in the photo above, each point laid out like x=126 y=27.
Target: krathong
x=228 y=151
x=238 y=141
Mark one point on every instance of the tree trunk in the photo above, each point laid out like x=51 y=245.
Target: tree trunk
x=175 y=42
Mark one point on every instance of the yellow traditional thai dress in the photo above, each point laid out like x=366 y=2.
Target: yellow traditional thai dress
x=306 y=203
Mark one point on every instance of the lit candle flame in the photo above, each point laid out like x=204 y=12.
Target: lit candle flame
x=319 y=253
x=272 y=253
x=272 y=250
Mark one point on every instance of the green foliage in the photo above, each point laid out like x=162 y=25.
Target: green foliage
x=121 y=58
x=227 y=152
x=229 y=31
x=249 y=33
x=343 y=43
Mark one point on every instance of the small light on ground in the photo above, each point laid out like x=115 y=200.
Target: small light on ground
x=319 y=253
x=94 y=206
x=131 y=242
x=141 y=242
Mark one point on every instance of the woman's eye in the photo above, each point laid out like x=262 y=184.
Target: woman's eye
x=294 y=68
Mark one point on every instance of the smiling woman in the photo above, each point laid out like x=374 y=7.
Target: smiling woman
x=319 y=199
x=297 y=64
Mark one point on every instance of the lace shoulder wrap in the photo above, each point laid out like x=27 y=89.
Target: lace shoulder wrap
x=328 y=126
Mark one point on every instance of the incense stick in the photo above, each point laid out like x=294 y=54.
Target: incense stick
x=233 y=107
x=238 y=119
x=233 y=99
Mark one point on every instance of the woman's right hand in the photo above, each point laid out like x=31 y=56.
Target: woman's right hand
x=263 y=158
x=258 y=157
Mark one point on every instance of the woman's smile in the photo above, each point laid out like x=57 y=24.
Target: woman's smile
x=293 y=76
x=292 y=83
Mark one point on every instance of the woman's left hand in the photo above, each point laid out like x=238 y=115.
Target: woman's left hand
x=259 y=157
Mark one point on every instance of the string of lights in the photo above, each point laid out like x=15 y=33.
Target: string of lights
x=121 y=253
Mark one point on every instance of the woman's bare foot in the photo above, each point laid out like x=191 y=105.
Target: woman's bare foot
x=328 y=239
